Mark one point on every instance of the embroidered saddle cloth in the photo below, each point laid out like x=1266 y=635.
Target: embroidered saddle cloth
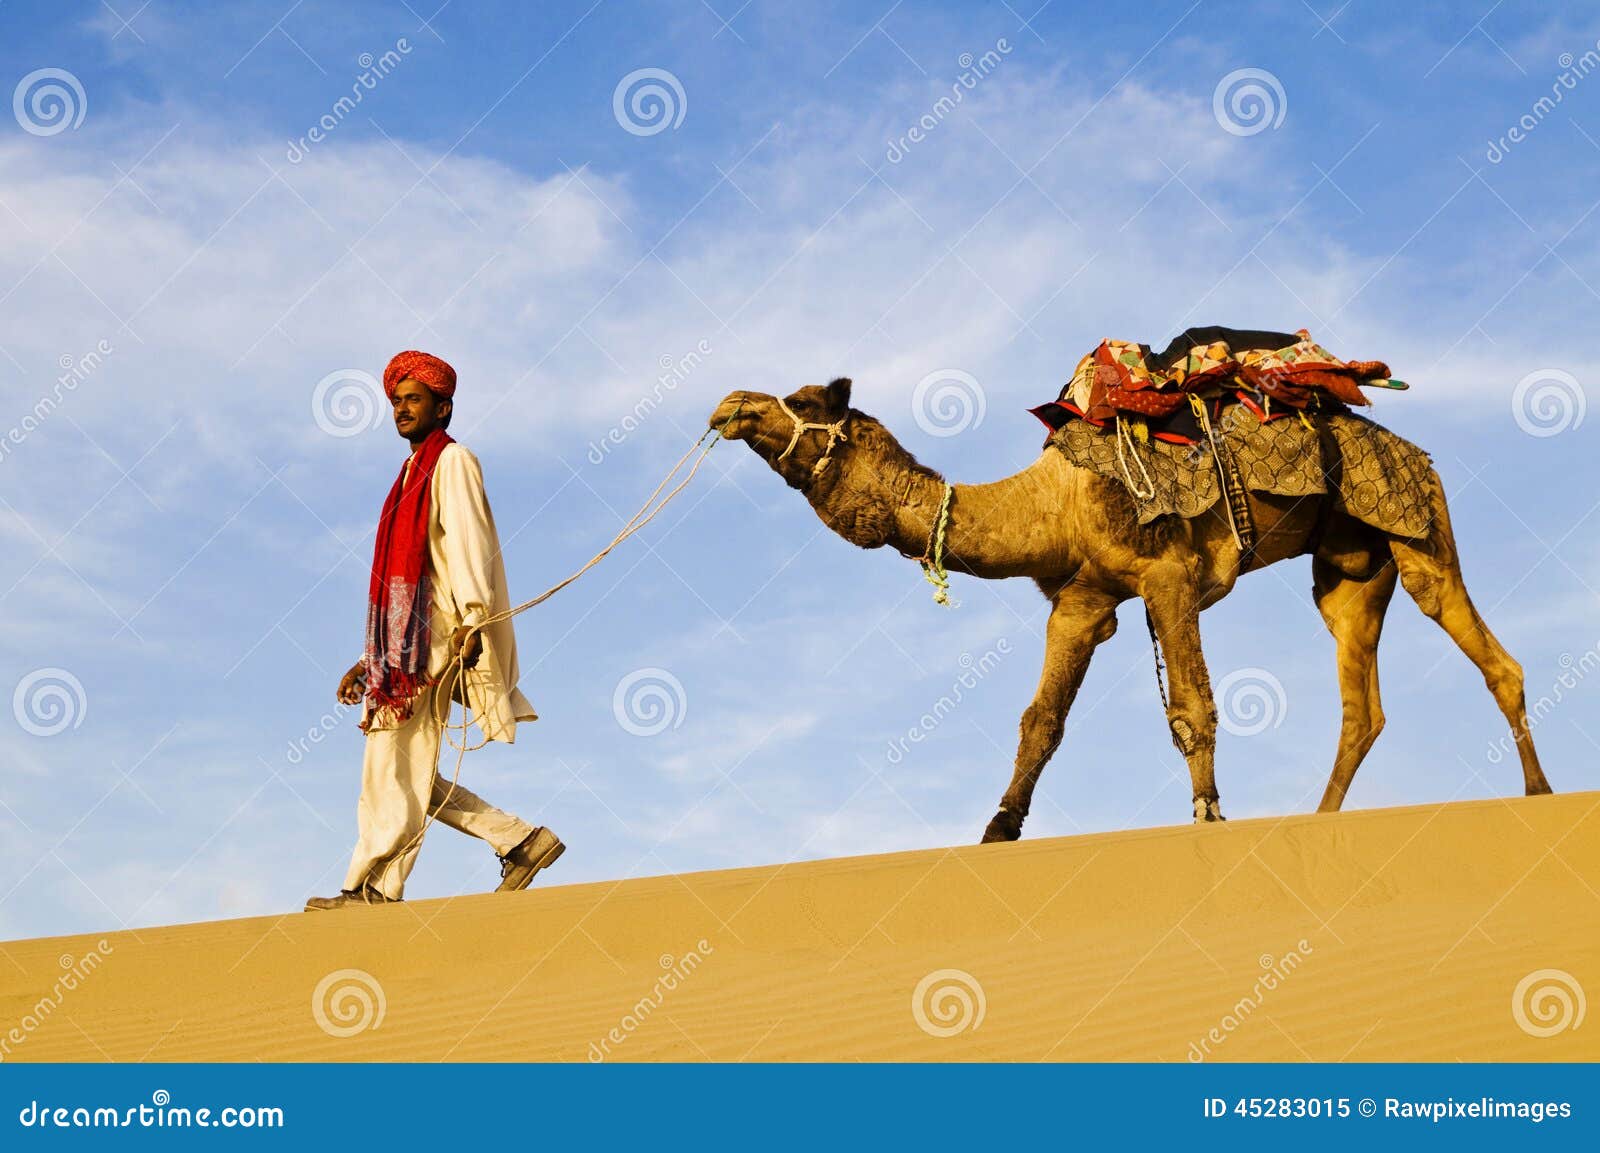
x=1374 y=475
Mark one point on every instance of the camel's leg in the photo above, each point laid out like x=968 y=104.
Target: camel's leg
x=1353 y=610
x=1080 y=619
x=1431 y=572
x=1174 y=608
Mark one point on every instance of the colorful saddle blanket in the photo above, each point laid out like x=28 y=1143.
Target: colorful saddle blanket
x=1272 y=373
x=1373 y=474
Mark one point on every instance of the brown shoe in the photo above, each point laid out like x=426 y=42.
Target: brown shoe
x=537 y=851
x=348 y=897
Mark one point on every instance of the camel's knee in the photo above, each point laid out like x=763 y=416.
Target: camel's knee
x=1041 y=728
x=1424 y=588
x=1363 y=709
x=1039 y=717
x=1360 y=730
x=1193 y=730
x=1505 y=681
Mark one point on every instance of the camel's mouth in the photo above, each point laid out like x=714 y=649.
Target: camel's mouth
x=735 y=416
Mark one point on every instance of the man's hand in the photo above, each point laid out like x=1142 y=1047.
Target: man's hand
x=353 y=684
x=473 y=638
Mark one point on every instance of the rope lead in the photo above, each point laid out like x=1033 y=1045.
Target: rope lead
x=932 y=560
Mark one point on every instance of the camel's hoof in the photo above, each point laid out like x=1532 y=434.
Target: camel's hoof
x=1207 y=810
x=1006 y=826
x=1540 y=790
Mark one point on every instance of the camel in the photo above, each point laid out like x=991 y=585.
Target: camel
x=1075 y=534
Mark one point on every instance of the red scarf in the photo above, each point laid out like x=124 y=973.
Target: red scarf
x=398 y=600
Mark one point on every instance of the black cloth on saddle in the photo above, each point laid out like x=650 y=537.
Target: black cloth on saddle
x=1238 y=339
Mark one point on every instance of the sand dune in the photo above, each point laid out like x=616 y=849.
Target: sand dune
x=1394 y=934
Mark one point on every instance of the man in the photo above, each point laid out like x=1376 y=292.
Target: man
x=437 y=576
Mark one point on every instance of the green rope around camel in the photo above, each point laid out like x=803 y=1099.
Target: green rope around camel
x=932 y=561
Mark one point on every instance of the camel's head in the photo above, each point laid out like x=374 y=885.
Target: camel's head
x=815 y=428
x=815 y=441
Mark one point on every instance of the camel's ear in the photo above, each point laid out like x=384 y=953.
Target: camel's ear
x=839 y=394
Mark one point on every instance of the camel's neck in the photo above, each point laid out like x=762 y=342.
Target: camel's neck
x=1011 y=527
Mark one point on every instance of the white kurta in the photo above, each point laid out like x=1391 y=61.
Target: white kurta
x=398 y=787
x=469 y=584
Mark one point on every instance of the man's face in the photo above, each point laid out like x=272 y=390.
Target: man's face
x=417 y=412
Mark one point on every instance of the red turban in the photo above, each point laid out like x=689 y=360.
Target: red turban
x=435 y=374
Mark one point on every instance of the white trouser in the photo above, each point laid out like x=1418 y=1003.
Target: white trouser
x=399 y=791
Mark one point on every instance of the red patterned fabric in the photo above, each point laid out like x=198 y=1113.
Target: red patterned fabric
x=1121 y=376
x=424 y=368
x=1273 y=374
x=398 y=602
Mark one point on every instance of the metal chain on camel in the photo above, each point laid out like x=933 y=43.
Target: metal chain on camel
x=455 y=673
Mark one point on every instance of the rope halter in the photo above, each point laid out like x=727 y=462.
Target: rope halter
x=835 y=432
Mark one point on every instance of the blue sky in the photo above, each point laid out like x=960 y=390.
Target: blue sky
x=188 y=543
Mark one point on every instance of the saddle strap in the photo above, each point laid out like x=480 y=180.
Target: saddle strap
x=1244 y=523
x=1235 y=501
